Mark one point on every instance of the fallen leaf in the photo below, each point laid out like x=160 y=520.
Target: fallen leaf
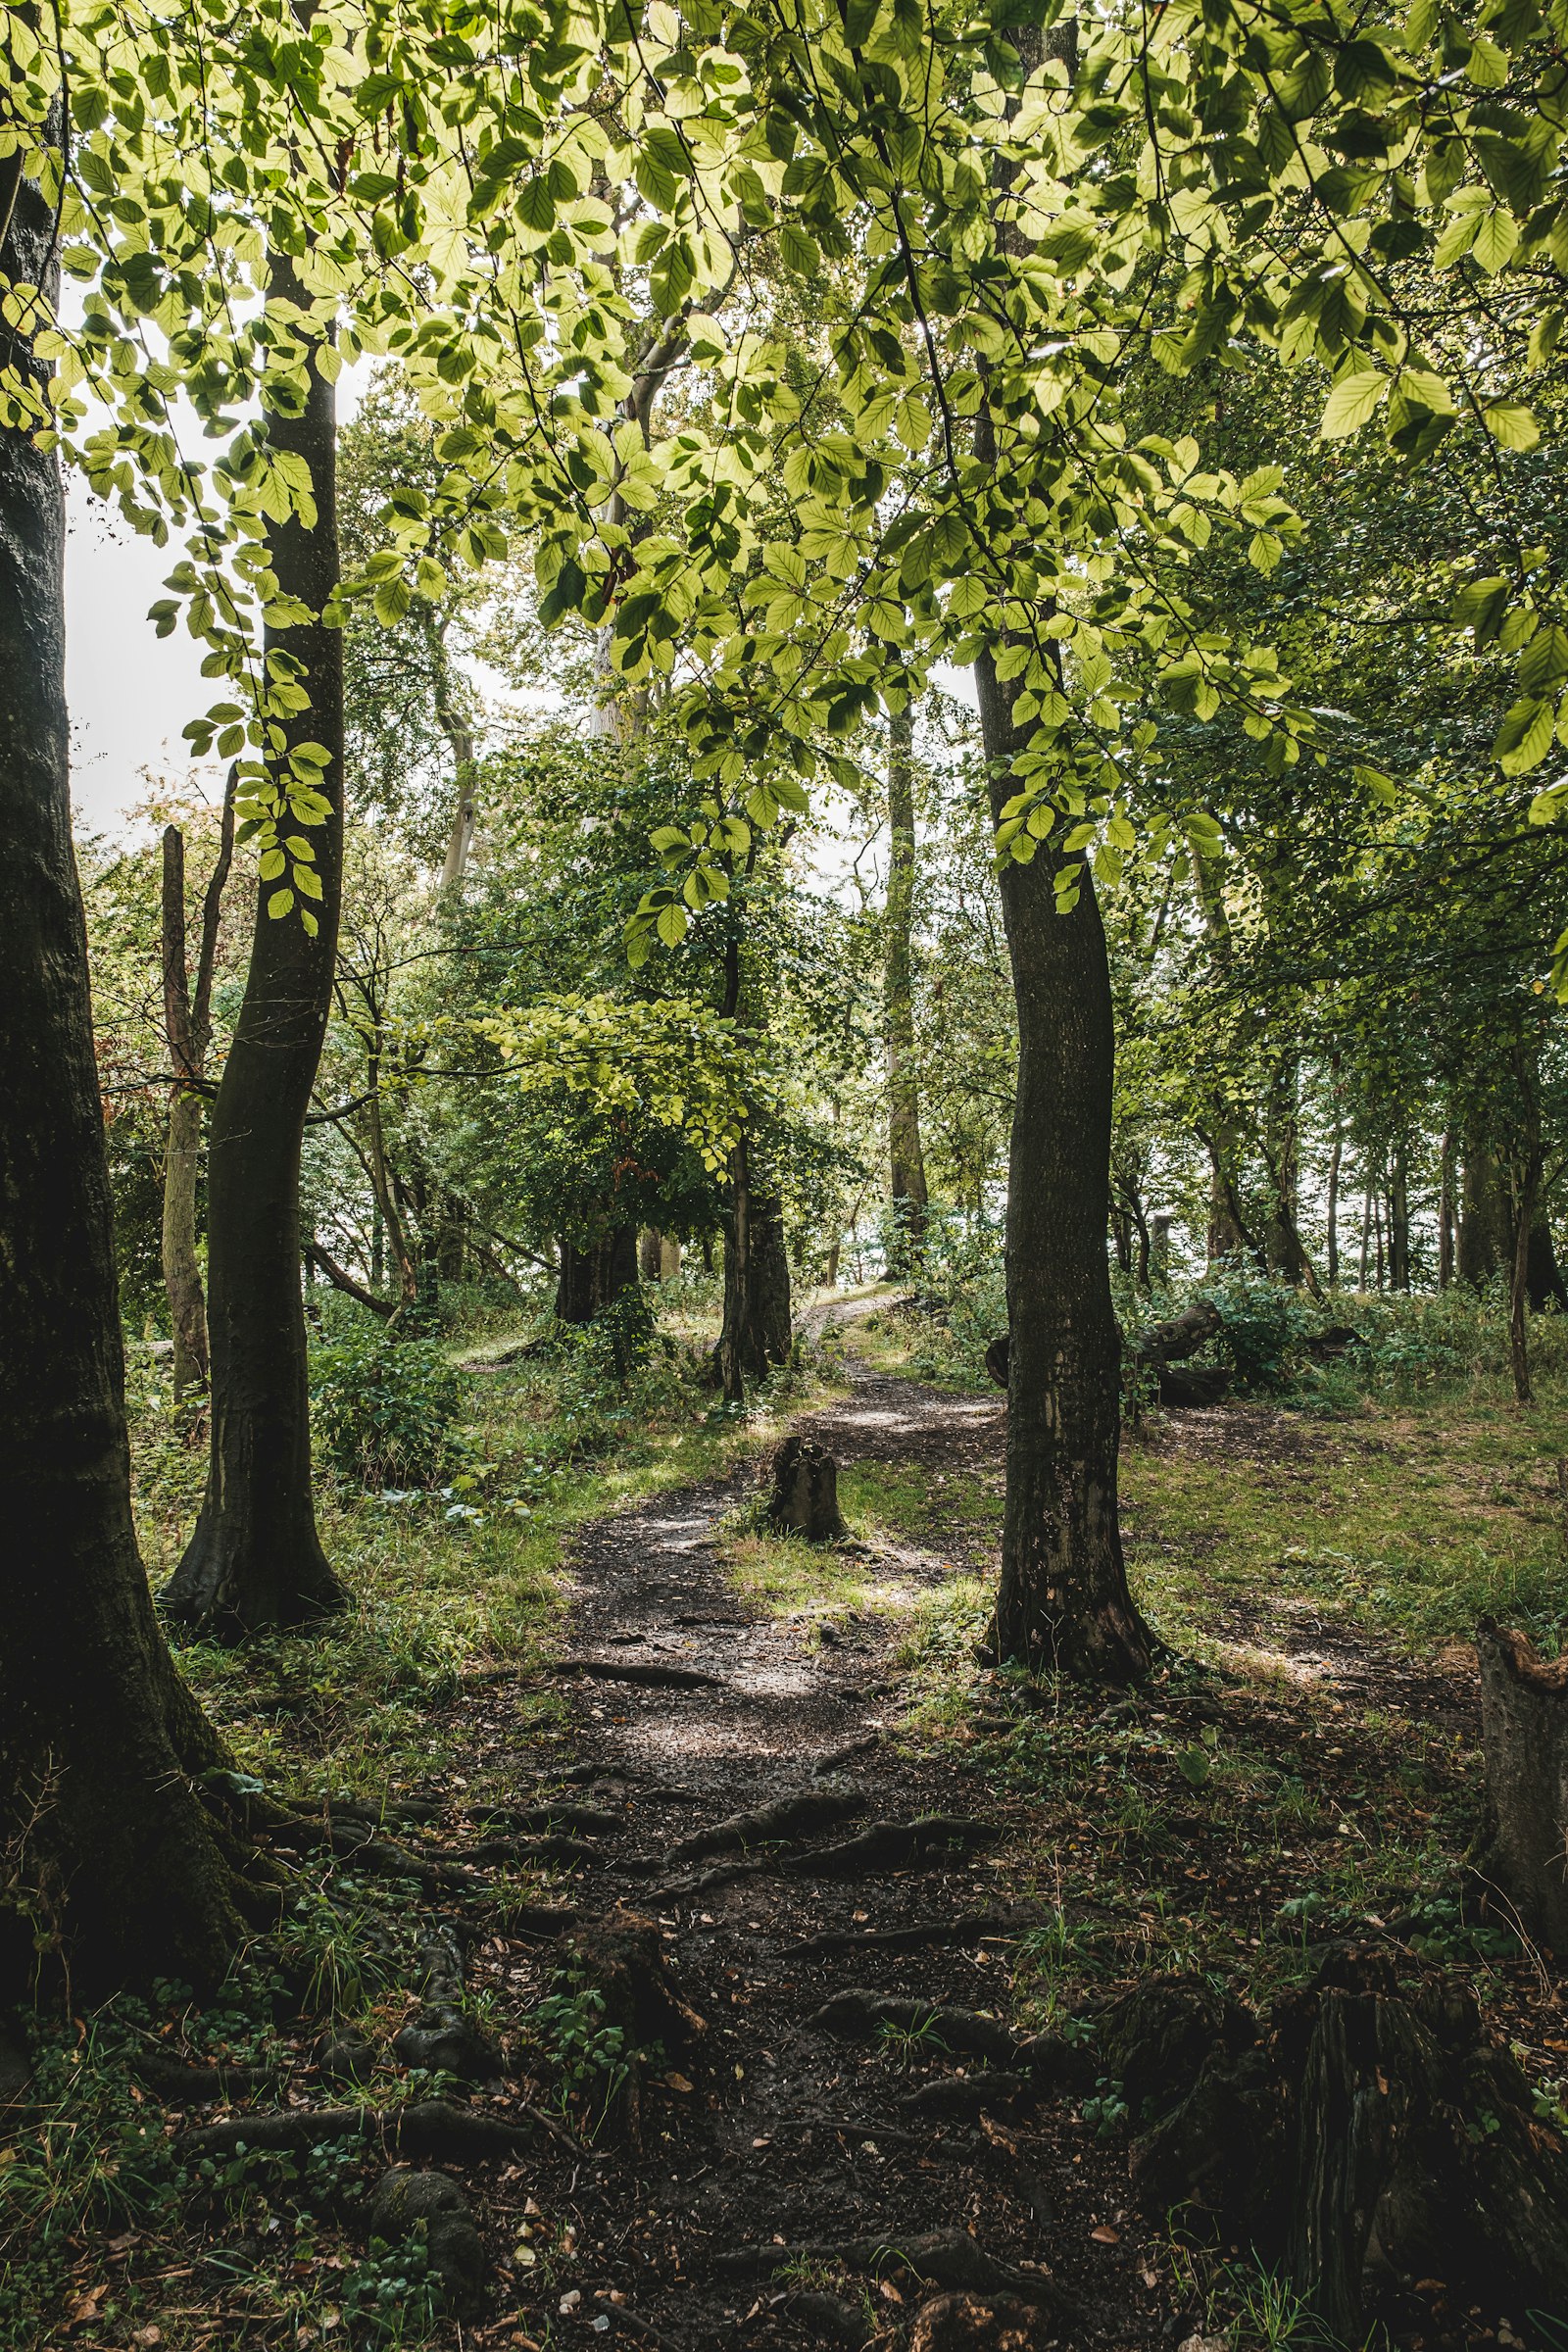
x=674 y=2082
x=889 y=2291
x=1105 y=2235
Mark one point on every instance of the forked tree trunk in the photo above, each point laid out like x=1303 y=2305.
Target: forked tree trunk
x=1063 y=1601
x=906 y=1157
x=255 y=1560
x=1524 y=1727
x=112 y=1856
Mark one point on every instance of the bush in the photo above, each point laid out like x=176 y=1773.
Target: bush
x=1262 y=1325
x=382 y=1409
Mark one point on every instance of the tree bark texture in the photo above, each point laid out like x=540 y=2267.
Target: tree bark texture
x=804 y=1491
x=906 y=1159
x=1063 y=1601
x=1336 y=1162
x=757 y=1332
x=593 y=1277
x=1524 y=1722
x=188 y=1026
x=111 y=1857
x=1483 y=1247
x=255 y=1560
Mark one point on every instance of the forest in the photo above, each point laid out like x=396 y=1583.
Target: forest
x=784 y=1252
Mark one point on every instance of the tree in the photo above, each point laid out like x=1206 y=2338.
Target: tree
x=118 y=1859
x=254 y=1559
x=906 y=1159
x=188 y=1031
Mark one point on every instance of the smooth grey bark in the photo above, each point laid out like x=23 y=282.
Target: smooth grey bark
x=254 y=1561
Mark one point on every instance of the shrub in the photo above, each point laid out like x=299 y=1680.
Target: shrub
x=384 y=1409
x=1262 y=1325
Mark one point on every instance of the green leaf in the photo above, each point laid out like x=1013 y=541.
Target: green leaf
x=1354 y=398
x=1496 y=242
x=1511 y=422
x=1525 y=736
x=279 y=904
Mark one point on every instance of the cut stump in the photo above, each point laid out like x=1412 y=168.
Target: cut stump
x=1524 y=1730
x=804 y=1495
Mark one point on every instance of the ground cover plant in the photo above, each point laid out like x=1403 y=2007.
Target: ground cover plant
x=782 y=1335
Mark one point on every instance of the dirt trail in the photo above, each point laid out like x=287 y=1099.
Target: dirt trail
x=779 y=2138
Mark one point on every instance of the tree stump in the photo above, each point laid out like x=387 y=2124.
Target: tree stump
x=804 y=1496
x=1337 y=2138
x=1523 y=1729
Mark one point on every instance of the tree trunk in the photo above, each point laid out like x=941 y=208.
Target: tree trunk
x=1336 y=1157
x=906 y=1160
x=1524 y=1727
x=1526 y=1200
x=187 y=1029
x=1366 y=1238
x=668 y=1257
x=1543 y=1275
x=1399 y=1221
x=255 y=1560
x=1063 y=1601
x=1484 y=1246
x=459 y=839
x=651 y=1255
x=592 y=1278
x=114 y=1862
x=1445 y=1216
x=757 y=1331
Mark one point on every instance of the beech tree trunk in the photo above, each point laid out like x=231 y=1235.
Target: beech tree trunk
x=906 y=1159
x=1524 y=1727
x=1445 y=1216
x=1063 y=1601
x=1335 y=1161
x=114 y=1861
x=255 y=1560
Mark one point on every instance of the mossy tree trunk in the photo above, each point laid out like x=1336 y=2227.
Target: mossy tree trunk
x=255 y=1560
x=112 y=1852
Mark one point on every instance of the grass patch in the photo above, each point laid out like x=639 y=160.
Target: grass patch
x=447 y=1580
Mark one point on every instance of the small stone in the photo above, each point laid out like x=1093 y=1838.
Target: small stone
x=435 y=2207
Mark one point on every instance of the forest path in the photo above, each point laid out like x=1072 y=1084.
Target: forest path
x=780 y=2142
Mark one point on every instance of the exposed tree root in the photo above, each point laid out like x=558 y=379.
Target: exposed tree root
x=799 y=1815
x=938 y=2258
x=855 y=2014
x=430 y=2129
x=896 y=1846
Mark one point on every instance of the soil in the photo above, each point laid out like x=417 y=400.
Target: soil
x=783 y=2183
x=774 y=2134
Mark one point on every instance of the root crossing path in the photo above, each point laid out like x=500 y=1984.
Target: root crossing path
x=853 y=2130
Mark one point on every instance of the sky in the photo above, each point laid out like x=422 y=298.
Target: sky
x=129 y=693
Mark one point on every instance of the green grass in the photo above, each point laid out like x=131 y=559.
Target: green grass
x=448 y=1583
x=1408 y=1522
